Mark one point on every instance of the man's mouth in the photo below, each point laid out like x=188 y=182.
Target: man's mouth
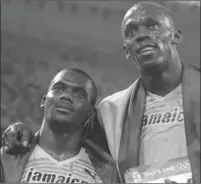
x=64 y=109
x=146 y=49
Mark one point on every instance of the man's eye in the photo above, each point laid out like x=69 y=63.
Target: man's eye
x=80 y=94
x=57 y=88
x=132 y=32
x=153 y=26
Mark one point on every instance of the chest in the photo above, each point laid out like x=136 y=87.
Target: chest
x=163 y=130
x=163 y=111
x=42 y=168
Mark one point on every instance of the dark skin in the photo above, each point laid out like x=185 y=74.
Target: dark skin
x=150 y=40
x=148 y=25
x=67 y=107
x=160 y=68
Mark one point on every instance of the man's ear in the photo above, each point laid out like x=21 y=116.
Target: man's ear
x=42 y=104
x=177 y=37
x=126 y=52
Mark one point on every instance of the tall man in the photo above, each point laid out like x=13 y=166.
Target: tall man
x=59 y=152
x=157 y=119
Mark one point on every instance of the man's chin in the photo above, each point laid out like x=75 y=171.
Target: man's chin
x=62 y=117
x=59 y=125
x=153 y=66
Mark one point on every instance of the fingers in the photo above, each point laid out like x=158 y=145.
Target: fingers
x=9 y=136
x=7 y=143
x=10 y=140
x=16 y=138
x=10 y=145
x=25 y=136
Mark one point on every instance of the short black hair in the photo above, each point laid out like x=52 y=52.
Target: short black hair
x=93 y=89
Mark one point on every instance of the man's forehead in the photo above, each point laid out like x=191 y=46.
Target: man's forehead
x=133 y=11
x=143 y=11
x=72 y=78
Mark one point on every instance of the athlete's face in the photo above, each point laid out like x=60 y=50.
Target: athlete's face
x=149 y=36
x=68 y=99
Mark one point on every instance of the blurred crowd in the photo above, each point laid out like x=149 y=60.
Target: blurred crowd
x=26 y=70
x=20 y=87
x=27 y=65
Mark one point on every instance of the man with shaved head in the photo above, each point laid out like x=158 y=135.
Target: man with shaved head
x=153 y=126
x=169 y=128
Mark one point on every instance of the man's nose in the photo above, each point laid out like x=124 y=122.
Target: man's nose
x=67 y=95
x=143 y=34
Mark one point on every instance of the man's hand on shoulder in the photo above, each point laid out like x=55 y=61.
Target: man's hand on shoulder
x=16 y=139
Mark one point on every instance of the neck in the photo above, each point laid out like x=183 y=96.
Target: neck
x=164 y=82
x=60 y=143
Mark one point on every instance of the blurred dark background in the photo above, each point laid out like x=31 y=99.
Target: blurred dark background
x=40 y=37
